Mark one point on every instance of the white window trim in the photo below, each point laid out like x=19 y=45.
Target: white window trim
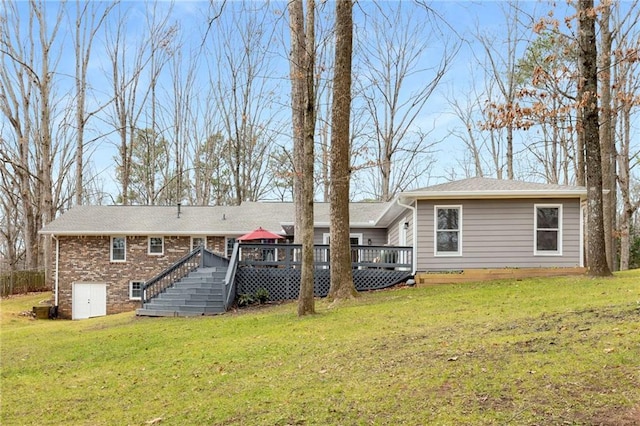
x=537 y=252
x=358 y=235
x=436 y=253
x=131 y=297
x=228 y=254
x=111 y=248
x=191 y=248
x=326 y=235
x=149 y=252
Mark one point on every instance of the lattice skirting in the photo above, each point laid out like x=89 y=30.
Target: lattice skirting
x=284 y=284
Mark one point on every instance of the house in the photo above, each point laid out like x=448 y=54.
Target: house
x=107 y=253
x=491 y=223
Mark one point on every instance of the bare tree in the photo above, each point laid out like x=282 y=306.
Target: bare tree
x=625 y=102
x=210 y=177
x=11 y=251
x=88 y=20
x=303 y=104
x=588 y=90
x=160 y=51
x=501 y=67
x=607 y=127
x=181 y=96
x=16 y=86
x=342 y=286
x=468 y=133
x=245 y=96
x=148 y=160
x=391 y=61
x=297 y=66
x=30 y=58
x=129 y=98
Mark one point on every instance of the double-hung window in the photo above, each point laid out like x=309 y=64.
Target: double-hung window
x=156 y=245
x=448 y=230
x=548 y=229
x=118 y=249
x=135 y=290
x=197 y=242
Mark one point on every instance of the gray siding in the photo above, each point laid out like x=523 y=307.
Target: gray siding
x=498 y=234
x=378 y=235
x=394 y=229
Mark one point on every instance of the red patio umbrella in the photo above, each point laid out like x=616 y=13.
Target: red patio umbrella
x=260 y=234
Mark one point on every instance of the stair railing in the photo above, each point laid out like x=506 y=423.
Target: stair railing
x=230 y=279
x=176 y=272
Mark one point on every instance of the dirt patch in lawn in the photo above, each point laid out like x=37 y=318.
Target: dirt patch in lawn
x=616 y=416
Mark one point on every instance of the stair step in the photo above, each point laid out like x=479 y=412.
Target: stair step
x=194 y=291
x=199 y=293
x=207 y=284
x=165 y=304
x=200 y=309
x=150 y=312
x=210 y=270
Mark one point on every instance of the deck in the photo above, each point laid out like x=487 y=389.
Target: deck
x=276 y=268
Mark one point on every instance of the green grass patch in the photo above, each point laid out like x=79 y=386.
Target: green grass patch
x=539 y=351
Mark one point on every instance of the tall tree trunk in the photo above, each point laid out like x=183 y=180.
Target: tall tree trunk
x=296 y=29
x=627 y=85
x=606 y=136
x=342 y=286
x=81 y=85
x=306 y=303
x=589 y=103
x=510 y=151
x=44 y=132
x=303 y=110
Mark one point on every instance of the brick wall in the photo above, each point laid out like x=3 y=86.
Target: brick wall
x=87 y=259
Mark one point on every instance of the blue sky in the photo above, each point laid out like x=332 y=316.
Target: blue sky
x=458 y=22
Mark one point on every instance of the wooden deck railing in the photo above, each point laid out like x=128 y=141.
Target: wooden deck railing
x=230 y=278
x=290 y=255
x=200 y=257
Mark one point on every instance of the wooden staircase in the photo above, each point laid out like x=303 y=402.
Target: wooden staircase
x=201 y=292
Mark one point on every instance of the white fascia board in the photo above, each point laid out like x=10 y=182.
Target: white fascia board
x=393 y=205
x=578 y=193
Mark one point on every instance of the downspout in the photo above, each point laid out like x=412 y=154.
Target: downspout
x=56 y=276
x=414 y=261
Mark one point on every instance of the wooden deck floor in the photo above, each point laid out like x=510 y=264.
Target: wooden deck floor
x=469 y=275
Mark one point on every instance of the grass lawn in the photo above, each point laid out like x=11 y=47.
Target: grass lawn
x=553 y=351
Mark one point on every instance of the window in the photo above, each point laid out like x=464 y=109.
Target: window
x=355 y=239
x=230 y=244
x=448 y=230
x=118 y=249
x=135 y=290
x=198 y=242
x=548 y=229
x=156 y=245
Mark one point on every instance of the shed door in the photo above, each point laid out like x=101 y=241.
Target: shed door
x=89 y=300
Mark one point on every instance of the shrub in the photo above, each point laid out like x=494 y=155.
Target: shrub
x=262 y=295
x=245 y=299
